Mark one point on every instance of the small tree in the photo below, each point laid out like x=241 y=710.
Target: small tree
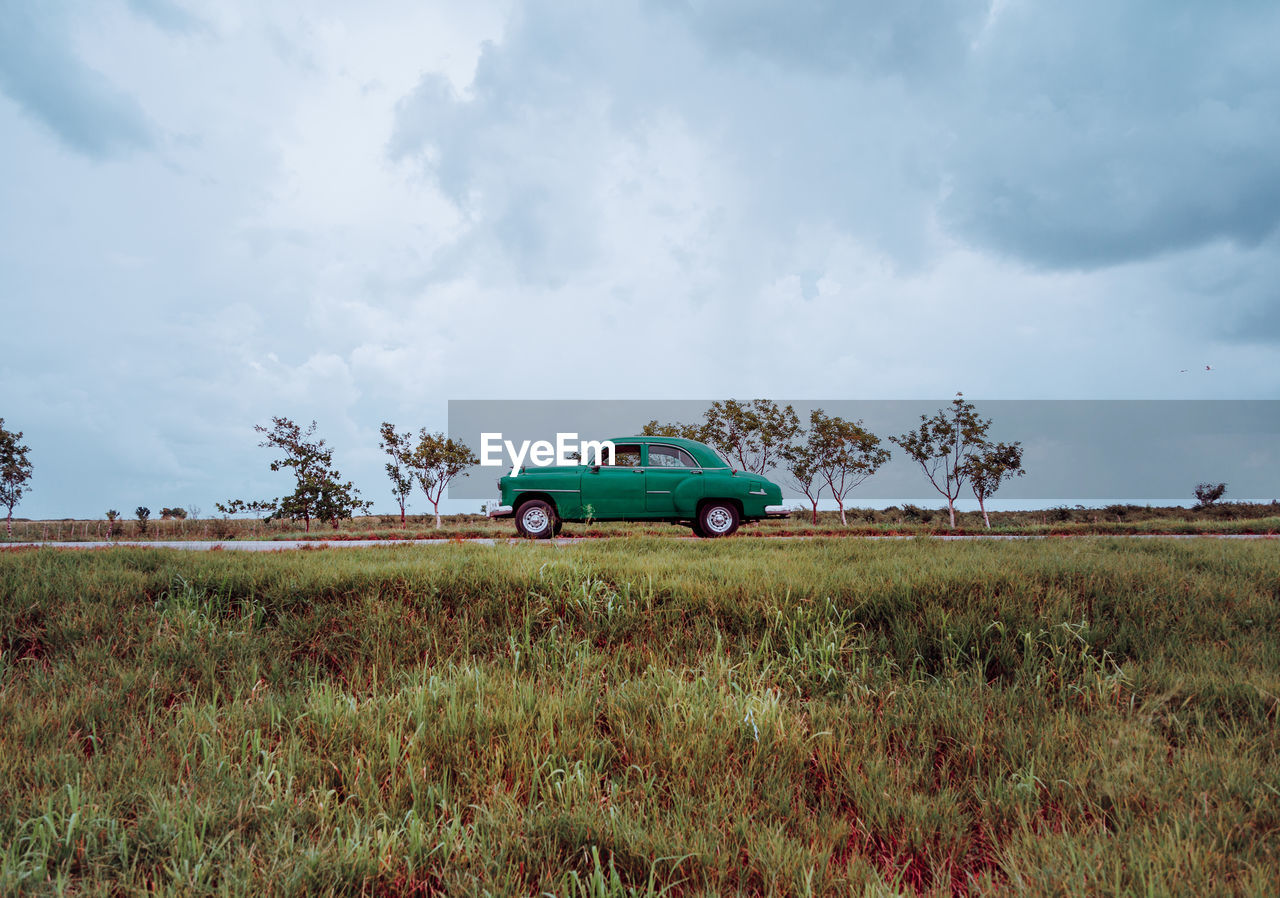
x=258 y=507
x=753 y=434
x=687 y=431
x=143 y=514
x=194 y=512
x=400 y=469
x=173 y=514
x=1207 y=494
x=319 y=491
x=112 y=517
x=802 y=461
x=15 y=471
x=991 y=467
x=848 y=454
x=436 y=461
x=942 y=445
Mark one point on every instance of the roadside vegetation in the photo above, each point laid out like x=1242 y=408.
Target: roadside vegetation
x=906 y=520
x=830 y=459
x=643 y=716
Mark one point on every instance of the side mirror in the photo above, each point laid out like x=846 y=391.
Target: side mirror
x=595 y=469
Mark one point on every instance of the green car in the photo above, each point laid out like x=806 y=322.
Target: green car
x=651 y=479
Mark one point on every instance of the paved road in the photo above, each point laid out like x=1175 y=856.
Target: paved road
x=280 y=545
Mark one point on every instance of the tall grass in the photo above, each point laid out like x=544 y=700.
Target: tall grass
x=642 y=717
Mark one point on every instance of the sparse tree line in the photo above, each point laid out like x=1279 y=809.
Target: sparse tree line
x=834 y=456
x=831 y=457
x=429 y=462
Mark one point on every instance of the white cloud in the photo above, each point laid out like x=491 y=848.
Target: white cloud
x=356 y=217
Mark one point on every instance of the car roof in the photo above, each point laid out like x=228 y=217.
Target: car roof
x=702 y=453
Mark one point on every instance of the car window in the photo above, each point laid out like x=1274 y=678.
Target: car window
x=625 y=455
x=670 y=457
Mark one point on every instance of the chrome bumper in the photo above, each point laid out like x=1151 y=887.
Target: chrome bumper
x=777 y=511
x=502 y=511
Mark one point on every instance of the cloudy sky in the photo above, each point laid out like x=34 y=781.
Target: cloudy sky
x=211 y=213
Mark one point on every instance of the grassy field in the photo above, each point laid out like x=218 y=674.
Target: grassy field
x=909 y=519
x=643 y=716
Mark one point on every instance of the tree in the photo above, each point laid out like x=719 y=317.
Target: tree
x=942 y=445
x=167 y=514
x=257 y=507
x=15 y=471
x=400 y=468
x=687 y=431
x=802 y=461
x=112 y=517
x=847 y=454
x=143 y=514
x=1207 y=494
x=319 y=491
x=989 y=468
x=437 y=460
x=751 y=433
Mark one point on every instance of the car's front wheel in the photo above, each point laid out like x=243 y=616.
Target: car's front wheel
x=717 y=519
x=536 y=519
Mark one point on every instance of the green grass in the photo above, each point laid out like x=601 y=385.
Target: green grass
x=642 y=716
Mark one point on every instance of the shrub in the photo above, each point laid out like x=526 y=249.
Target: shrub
x=223 y=528
x=1207 y=494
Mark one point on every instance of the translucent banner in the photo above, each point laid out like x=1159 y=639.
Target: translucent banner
x=1089 y=452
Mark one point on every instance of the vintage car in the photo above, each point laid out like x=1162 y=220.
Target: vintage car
x=651 y=479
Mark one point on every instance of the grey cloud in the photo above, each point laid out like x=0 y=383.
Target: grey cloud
x=1075 y=136
x=516 y=158
x=912 y=38
x=41 y=72
x=169 y=16
x=1240 y=290
x=526 y=149
x=1093 y=134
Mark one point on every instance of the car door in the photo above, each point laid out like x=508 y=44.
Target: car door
x=617 y=490
x=668 y=475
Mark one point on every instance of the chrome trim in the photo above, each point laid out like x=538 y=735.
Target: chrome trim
x=535 y=489
x=757 y=492
x=501 y=511
x=658 y=491
x=777 y=511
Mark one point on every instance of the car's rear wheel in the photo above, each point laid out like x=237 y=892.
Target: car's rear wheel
x=536 y=519
x=716 y=519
